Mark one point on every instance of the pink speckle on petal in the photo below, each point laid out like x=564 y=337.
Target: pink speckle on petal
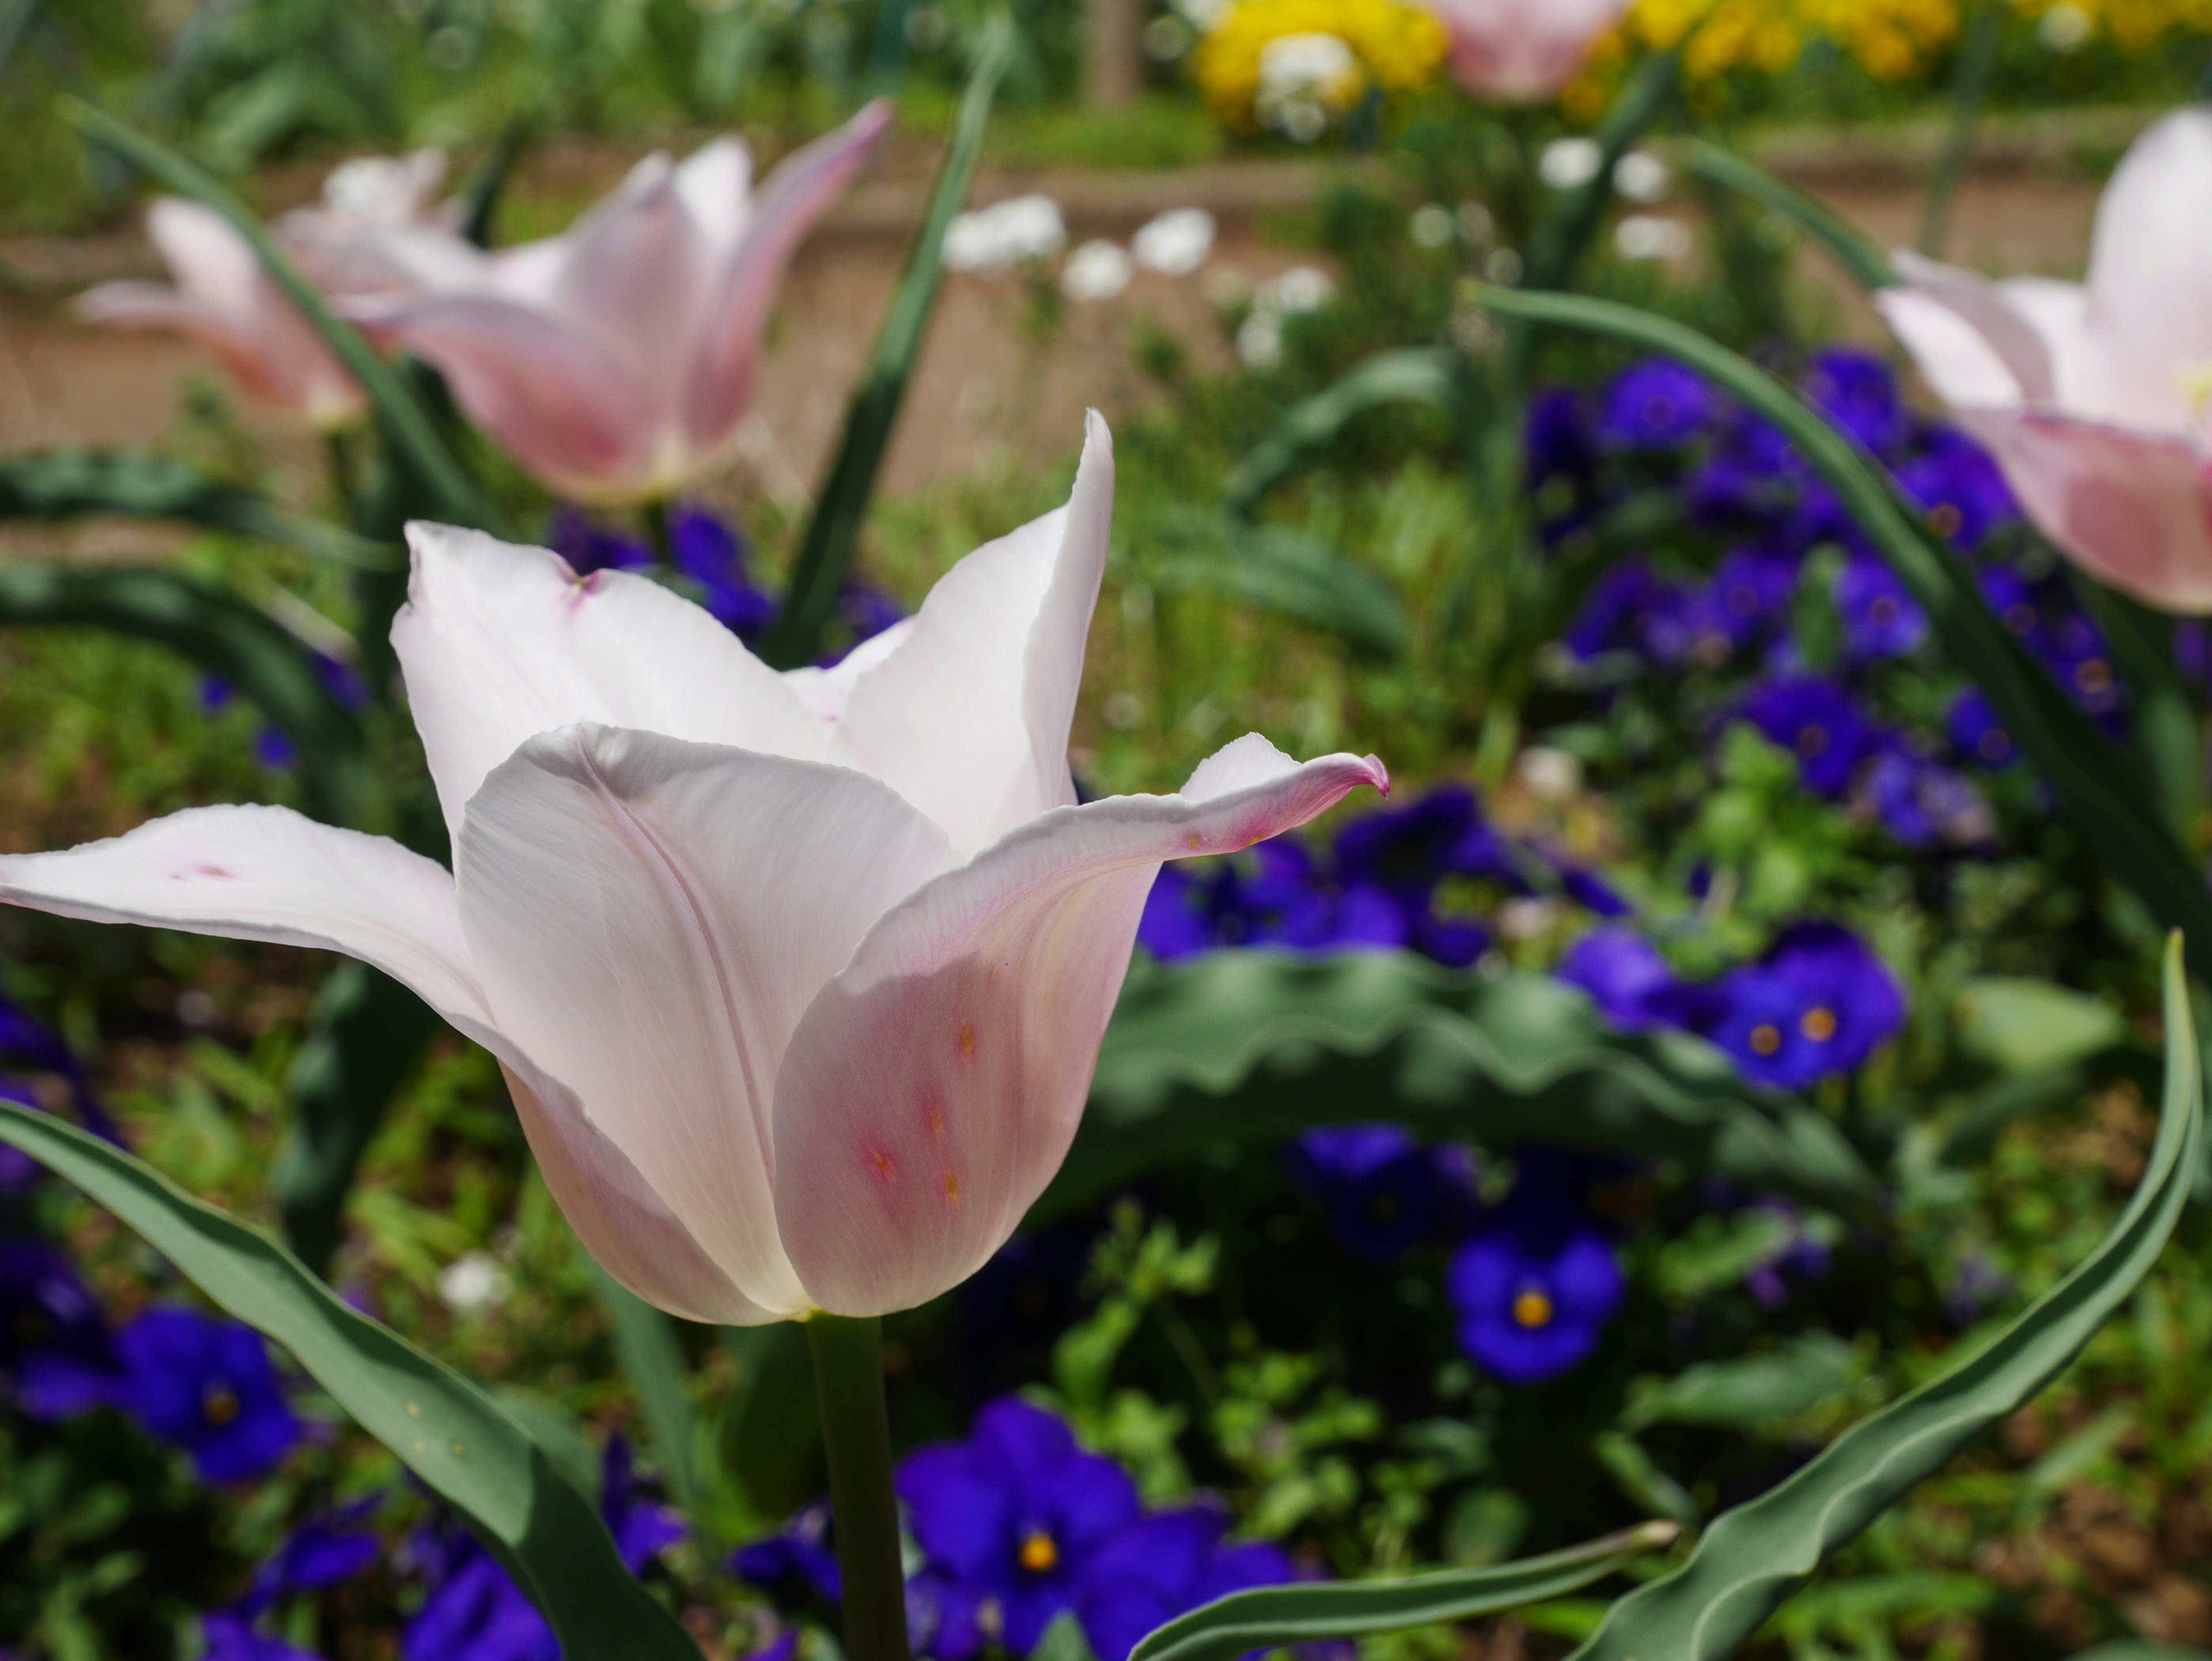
x=215 y=870
x=968 y=1040
x=953 y=1187
x=880 y=1162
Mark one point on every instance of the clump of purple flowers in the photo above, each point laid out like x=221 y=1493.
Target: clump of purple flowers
x=1384 y=1193
x=1816 y=1004
x=1536 y=1286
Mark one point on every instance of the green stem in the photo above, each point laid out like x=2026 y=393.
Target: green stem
x=1970 y=87
x=657 y=535
x=856 y=1435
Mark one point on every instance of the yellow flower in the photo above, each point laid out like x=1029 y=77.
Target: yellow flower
x=1892 y=39
x=1325 y=55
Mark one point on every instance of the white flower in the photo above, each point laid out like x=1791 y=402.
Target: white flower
x=474 y=1281
x=1550 y=775
x=1433 y=225
x=1303 y=79
x=2065 y=28
x=1011 y=232
x=1096 y=270
x=1641 y=176
x=1570 y=163
x=1259 y=341
x=1301 y=289
x=1175 y=243
x=1648 y=236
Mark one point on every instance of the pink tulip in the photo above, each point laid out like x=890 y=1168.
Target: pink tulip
x=798 y=981
x=2096 y=400
x=615 y=362
x=1521 y=50
x=224 y=301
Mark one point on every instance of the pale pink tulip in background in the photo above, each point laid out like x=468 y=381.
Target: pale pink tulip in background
x=616 y=360
x=797 y=980
x=1519 y=50
x=2097 y=400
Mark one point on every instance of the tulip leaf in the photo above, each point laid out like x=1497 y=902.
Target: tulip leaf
x=652 y=1358
x=1752 y=1559
x=1249 y=1048
x=1427 y=375
x=1557 y=245
x=223 y=636
x=448 y=1432
x=71 y=484
x=1854 y=251
x=408 y=424
x=1300 y=576
x=2098 y=786
x=1801 y=1373
x=1270 y=1617
x=825 y=553
x=2018 y=1024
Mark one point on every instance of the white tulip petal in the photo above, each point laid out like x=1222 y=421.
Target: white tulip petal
x=650 y=919
x=931 y=1090
x=498 y=643
x=2149 y=322
x=716 y=184
x=968 y=718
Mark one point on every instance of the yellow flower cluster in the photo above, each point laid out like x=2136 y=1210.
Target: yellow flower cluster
x=1893 y=38
x=1397 y=48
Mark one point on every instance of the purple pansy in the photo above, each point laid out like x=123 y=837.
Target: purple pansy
x=1880 y=618
x=588 y=547
x=1534 y=1289
x=1818 y=721
x=55 y=1343
x=320 y=1554
x=1612 y=615
x=1922 y=803
x=796 y=1561
x=232 y=1637
x=1657 y=405
x=1623 y=975
x=1163 y=1566
x=1857 y=391
x=1959 y=487
x=1818 y=1003
x=1976 y=733
x=713 y=555
x=208 y=1386
x=1384 y=1191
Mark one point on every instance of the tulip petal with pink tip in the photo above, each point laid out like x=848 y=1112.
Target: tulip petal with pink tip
x=499 y=644
x=968 y=718
x=2150 y=278
x=638 y=276
x=650 y=918
x=797 y=194
x=931 y=1090
x=1522 y=49
x=2133 y=508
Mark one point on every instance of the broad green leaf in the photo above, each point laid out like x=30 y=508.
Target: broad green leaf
x=1557 y=245
x=653 y=1360
x=1249 y=1048
x=223 y=636
x=2020 y=1025
x=1650 y=1488
x=773 y=1427
x=826 y=552
x=1752 y=1559
x=408 y=424
x=1856 y=253
x=370 y=1032
x=1268 y=1617
x=453 y=1435
x=2099 y=788
x=1426 y=376
x=1294 y=575
x=1801 y=1373
x=71 y=483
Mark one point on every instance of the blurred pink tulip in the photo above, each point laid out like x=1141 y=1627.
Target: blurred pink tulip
x=224 y=301
x=1520 y=51
x=797 y=980
x=2096 y=400
x=616 y=360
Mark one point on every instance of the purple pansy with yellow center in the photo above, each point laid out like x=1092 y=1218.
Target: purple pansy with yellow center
x=1976 y=733
x=1534 y=1289
x=1881 y=618
x=1818 y=1003
x=208 y=1386
x=1818 y=721
x=1959 y=487
x=1657 y=405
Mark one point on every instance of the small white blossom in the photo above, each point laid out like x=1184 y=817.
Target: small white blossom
x=1647 y=236
x=1433 y=226
x=1010 y=232
x=1175 y=243
x=1096 y=270
x=1641 y=176
x=476 y=1280
x=1570 y=163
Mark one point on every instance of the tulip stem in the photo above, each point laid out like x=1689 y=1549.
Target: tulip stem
x=856 y=1434
x=657 y=533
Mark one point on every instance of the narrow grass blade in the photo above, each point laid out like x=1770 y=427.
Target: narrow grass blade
x=1269 y=1617
x=826 y=553
x=1854 y=251
x=450 y=1433
x=1281 y=569
x=653 y=1360
x=2098 y=787
x=1427 y=375
x=1752 y=1559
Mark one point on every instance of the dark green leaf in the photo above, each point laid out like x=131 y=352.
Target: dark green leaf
x=1426 y=376
x=2098 y=787
x=1858 y=254
x=224 y=636
x=71 y=484
x=480 y=200
x=408 y=425
x=653 y=1360
x=1268 y=1617
x=1249 y=1048
x=1648 y=1488
x=773 y=1427
x=1801 y=1373
x=1752 y=1558
x=449 y=1432
x=826 y=552
x=1294 y=576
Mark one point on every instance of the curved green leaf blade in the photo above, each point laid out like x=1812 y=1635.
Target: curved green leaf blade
x=1268 y=1617
x=1752 y=1558
x=407 y=422
x=1854 y=251
x=445 y=1429
x=225 y=637
x=1286 y=571
x=826 y=553
x=71 y=483
x=2098 y=786
x=1248 y=1047
x=1427 y=375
